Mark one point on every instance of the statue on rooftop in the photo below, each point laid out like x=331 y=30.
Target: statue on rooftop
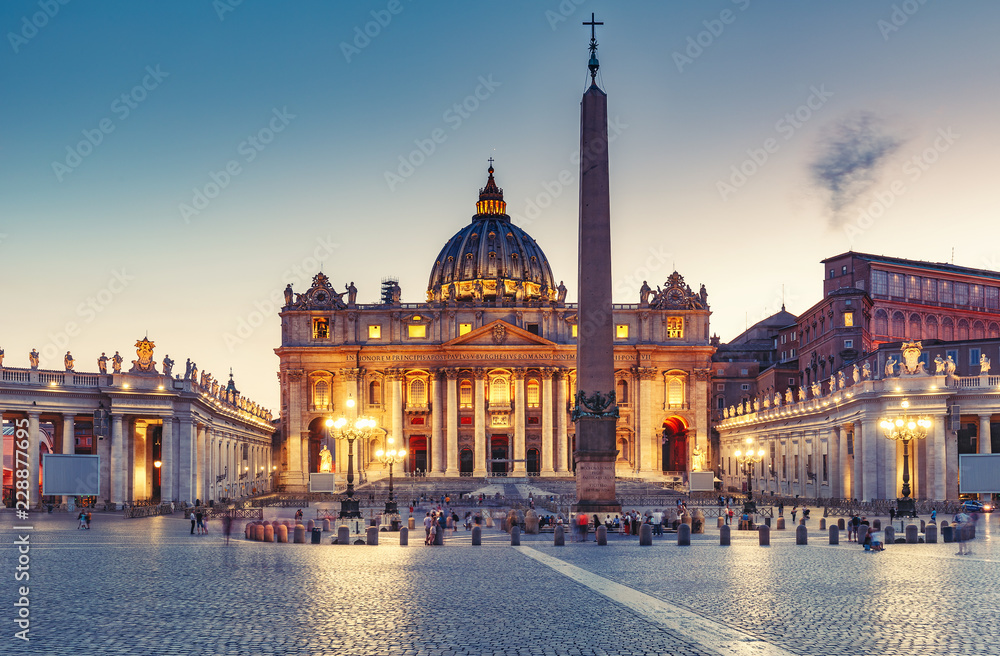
x=116 y=363
x=102 y=364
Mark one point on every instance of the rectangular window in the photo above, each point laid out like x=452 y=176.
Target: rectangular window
x=831 y=274
x=993 y=298
x=416 y=331
x=961 y=293
x=809 y=466
x=532 y=328
x=744 y=372
x=532 y=421
x=974 y=357
x=465 y=394
x=793 y=353
x=374 y=332
x=976 y=296
x=675 y=327
x=944 y=291
x=621 y=331
x=720 y=372
x=848 y=343
x=850 y=444
x=880 y=283
x=784 y=466
x=795 y=472
x=913 y=287
x=573 y=332
x=791 y=382
x=464 y=329
x=720 y=387
x=897 y=286
x=745 y=387
x=826 y=470
x=321 y=328
x=848 y=320
x=930 y=290
x=843 y=270
x=531 y=392
x=720 y=403
x=465 y=421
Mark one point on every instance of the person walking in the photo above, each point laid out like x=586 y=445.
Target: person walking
x=199 y=516
x=88 y=516
x=227 y=526
x=583 y=522
x=83 y=520
x=194 y=521
x=427 y=527
x=795 y=509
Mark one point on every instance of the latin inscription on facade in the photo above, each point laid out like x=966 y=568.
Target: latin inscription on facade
x=414 y=357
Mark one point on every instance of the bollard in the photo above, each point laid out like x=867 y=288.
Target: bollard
x=281 y=533
x=411 y=523
x=947 y=532
x=258 y=534
x=781 y=525
x=840 y=524
x=802 y=522
x=439 y=537
x=404 y=537
x=326 y=525
x=477 y=536
x=724 y=536
x=930 y=534
x=834 y=534
x=684 y=535
x=877 y=525
x=558 y=536
x=801 y=534
x=602 y=535
x=862 y=532
x=888 y=535
x=268 y=533
x=247 y=529
x=371 y=536
x=721 y=522
x=764 y=535
x=343 y=534
x=911 y=534
x=299 y=537
x=515 y=536
x=923 y=526
x=686 y=519
x=310 y=525
x=698 y=522
x=822 y=524
x=645 y=535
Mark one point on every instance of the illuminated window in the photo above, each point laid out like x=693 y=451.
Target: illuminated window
x=321 y=394
x=574 y=330
x=499 y=391
x=621 y=331
x=417 y=331
x=675 y=391
x=848 y=319
x=321 y=328
x=464 y=328
x=374 y=393
x=675 y=327
x=621 y=392
x=374 y=332
x=531 y=390
x=418 y=392
x=465 y=394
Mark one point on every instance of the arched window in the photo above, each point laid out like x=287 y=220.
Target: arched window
x=915 y=326
x=499 y=391
x=898 y=325
x=947 y=329
x=623 y=450
x=465 y=394
x=375 y=393
x=676 y=382
x=978 y=330
x=963 y=329
x=531 y=390
x=621 y=391
x=881 y=323
x=321 y=394
x=418 y=392
x=993 y=332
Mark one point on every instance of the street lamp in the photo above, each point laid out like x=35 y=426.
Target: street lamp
x=390 y=457
x=905 y=428
x=747 y=459
x=361 y=430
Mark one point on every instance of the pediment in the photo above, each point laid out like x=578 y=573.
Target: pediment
x=499 y=333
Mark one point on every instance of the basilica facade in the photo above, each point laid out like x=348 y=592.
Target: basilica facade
x=477 y=379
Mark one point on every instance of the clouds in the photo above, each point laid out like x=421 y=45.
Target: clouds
x=852 y=154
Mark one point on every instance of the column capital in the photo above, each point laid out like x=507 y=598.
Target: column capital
x=350 y=374
x=518 y=373
x=294 y=375
x=451 y=374
x=479 y=373
x=546 y=373
x=646 y=373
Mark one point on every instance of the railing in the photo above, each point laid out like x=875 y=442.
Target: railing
x=235 y=513
x=16 y=376
x=132 y=512
x=47 y=378
x=977 y=381
x=87 y=380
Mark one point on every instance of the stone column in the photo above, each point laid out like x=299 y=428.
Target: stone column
x=118 y=460
x=199 y=478
x=437 y=433
x=644 y=412
x=69 y=434
x=882 y=456
x=894 y=451
x=34 y=458
x=561 y=421
x=519 y=429
x=167 y=460
x=843 y=465
x=938 y=456
x=185 y=461
x=546 y=463
x=452 y=377
x=951 y=465
x=869 y=458
x=984 y=434
x=396 y=381
x=801 y=473
x=836 y=485
x=480 y=447
x=293 y=476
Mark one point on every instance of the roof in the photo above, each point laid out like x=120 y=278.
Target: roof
x=918 y=264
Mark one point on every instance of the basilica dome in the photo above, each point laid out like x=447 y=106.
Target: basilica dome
x=488 y=254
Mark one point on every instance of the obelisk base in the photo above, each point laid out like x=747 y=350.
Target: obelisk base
x=595 y=470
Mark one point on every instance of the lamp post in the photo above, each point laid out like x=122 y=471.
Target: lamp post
x=360 y=430
x=747 y=459
x=390 y=457
x=905 y=428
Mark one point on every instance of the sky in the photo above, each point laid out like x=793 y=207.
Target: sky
x=167 y=168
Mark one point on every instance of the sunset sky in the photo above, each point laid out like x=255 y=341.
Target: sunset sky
x=169 y=167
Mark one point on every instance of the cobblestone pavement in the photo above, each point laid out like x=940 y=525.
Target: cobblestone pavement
x=146 y=586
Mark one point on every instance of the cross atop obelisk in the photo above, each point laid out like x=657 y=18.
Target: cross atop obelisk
x=595 y=410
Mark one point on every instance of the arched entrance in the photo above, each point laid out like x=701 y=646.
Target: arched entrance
x=317 y=438
x=417 y=456
x=675 y=448
x=531 y=463
x=465 y=462
x=498 y=451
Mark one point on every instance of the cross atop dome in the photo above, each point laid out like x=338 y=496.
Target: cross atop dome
x=491 y=197
x=594 y=64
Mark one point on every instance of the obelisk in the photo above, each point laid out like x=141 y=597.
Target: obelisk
x=595 y=410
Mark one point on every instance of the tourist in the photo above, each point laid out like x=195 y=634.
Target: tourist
x=933 y=515
x=442 y=524
x=432 y=536
x=624 y=525
x=199 y=516
x=88 y=516
x=427 y=527
x=795 y=510
x=83 y=520
x=657 y=519
x=582 y=523
x=298 y=516
x=963 y=531
x=781 y=509
x=194 y=521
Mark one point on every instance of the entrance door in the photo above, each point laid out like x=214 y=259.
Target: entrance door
x=498 y=451
x=675 y=455
x=465 y=461
x=532 y=461
x=417 y=460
